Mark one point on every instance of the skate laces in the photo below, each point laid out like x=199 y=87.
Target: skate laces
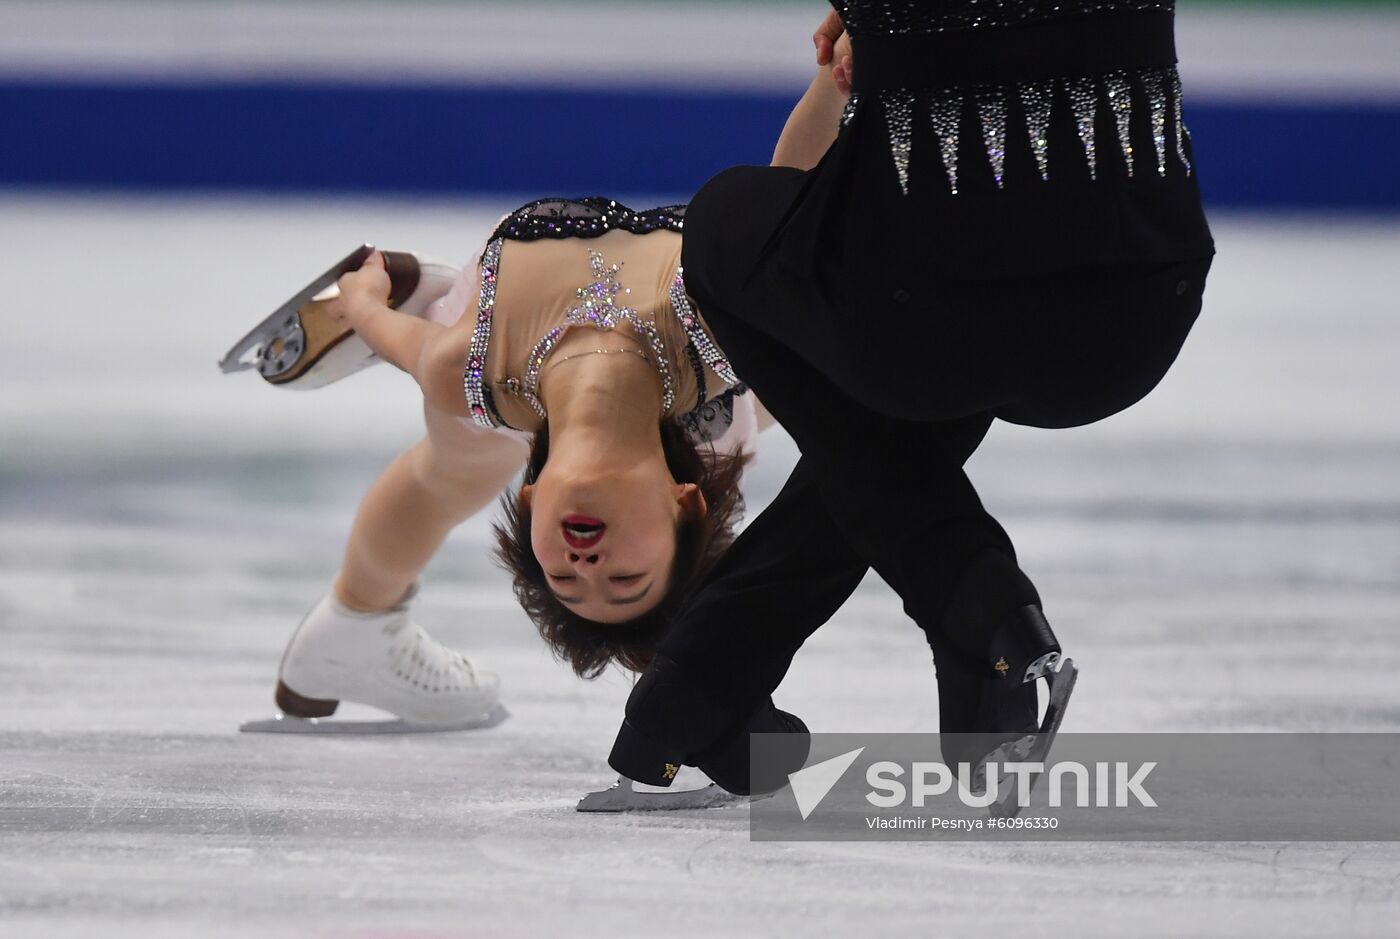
x=426 y=664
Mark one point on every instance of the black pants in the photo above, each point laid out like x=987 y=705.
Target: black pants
x=785 y=576
x=885 y=423
x=889 y=408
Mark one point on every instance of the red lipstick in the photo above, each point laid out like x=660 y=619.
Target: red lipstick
x=582 y=532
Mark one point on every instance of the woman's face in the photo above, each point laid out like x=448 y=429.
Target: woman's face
x=607 y=540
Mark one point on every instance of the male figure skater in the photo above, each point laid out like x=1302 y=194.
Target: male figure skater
x=1007 y=225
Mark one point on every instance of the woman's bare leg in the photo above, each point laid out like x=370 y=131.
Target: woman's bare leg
x=427 y=491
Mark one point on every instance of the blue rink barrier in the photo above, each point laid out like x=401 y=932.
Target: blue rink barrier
x=469 y=140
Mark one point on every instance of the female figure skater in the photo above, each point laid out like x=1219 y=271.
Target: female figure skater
x=1005 y=225
x=570 y=350
x=573 y=350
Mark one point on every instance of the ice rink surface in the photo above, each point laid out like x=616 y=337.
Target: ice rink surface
x=1225 y=557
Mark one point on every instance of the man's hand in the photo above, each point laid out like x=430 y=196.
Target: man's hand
x=825 y=37
x=834 y=51
x=362 y=292
x=815 y=120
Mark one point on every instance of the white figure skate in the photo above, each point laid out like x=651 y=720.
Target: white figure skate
x=385 y=660
x=299 y=346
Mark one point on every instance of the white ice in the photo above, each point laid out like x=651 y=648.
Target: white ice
x=1226 y=556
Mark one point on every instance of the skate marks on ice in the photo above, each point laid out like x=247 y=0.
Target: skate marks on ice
x=274 y=838
x=286 y=724
x=158 y=541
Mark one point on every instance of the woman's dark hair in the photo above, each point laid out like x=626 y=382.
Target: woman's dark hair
x=589 y=646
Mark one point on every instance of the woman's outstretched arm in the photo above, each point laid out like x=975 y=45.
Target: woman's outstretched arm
x=363 y=305
x=812 y=126
x=430 y=352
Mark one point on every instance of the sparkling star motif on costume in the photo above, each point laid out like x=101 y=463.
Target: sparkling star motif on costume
x=601 y=311
x=600 y=308
x=553 y=219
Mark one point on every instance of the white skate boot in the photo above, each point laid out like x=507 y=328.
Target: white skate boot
x=385 y=660
x=299 y=346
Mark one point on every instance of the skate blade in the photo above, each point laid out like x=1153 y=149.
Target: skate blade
x=283 y=724
x=245 y=352
x=623 y=797
x=1061 y=685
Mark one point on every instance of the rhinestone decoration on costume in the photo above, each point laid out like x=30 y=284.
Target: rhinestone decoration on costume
x=1157 y=100
x=710 y=354
x=899 y=116
x=600 y=310
x=477 y=395
x=1159 y=88
x=1036 y=98
x=849 y=111
x=1084 y=101
x=908 y=17
x=991 y=108
x=588 y=217
x=1181 y=133
x=945 y=111
x=1120 y=100
x=585 y=218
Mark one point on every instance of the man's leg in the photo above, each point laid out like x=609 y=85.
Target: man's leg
x=785 y=575
x=730 y=647
x=794 y=567
x=897 y=492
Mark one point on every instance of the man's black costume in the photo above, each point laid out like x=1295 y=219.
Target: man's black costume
x=1007 y=226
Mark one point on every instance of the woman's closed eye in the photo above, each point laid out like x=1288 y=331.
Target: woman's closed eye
x=622 y=580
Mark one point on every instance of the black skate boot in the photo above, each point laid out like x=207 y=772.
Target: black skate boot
x=1024 y=649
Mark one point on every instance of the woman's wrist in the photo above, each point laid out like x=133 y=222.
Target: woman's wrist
x=824 y=89
x=360 y=311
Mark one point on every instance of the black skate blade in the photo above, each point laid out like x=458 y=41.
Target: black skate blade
x=238 y=358
x=283 y=724
x=623 y=796
x=1061 y=686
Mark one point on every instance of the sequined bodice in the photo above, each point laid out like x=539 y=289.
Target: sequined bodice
x=908 y=17
x=1003 y=72
x=558 y=265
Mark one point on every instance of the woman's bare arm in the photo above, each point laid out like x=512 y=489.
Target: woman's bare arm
x=812 y=126
x=440 y=366
x=363 y=305
x=430 y=352
x=397 y=338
